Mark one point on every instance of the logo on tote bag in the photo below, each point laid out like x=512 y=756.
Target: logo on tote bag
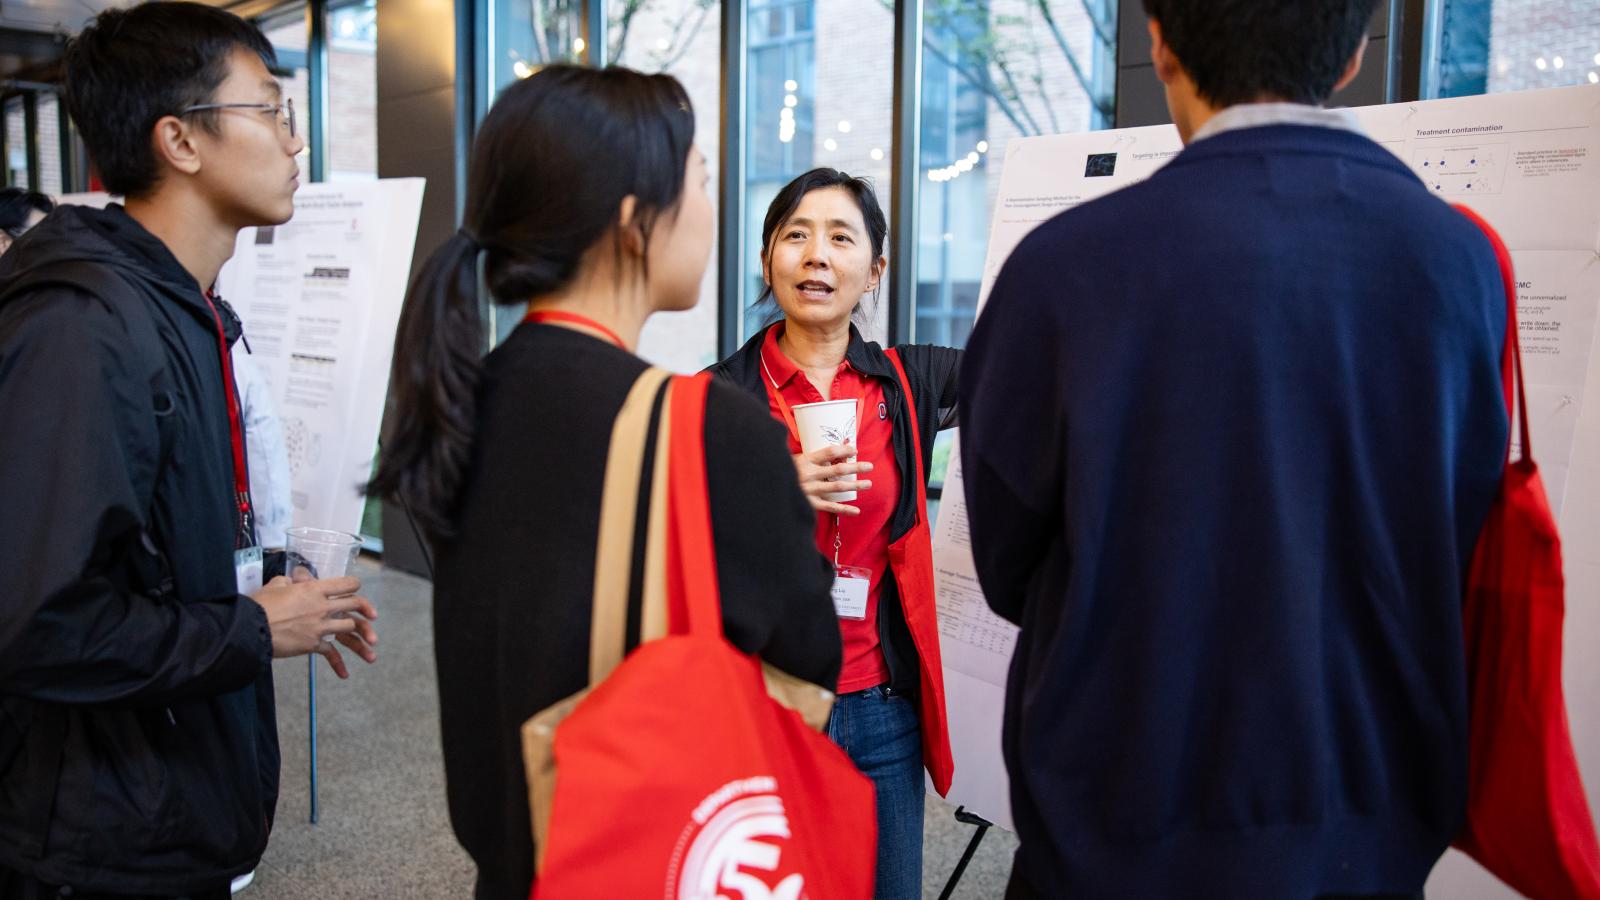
x=735 y=838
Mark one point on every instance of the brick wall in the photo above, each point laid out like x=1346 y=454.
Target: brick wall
x=352 y=111
x=1526 y=31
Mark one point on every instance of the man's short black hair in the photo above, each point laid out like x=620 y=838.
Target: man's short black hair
x=1243 y=51
x=132 y=66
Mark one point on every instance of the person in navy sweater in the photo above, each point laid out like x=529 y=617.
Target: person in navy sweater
x=1229 y=437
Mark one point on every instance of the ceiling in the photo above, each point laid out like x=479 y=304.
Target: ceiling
x=32 y=31
x=51 y=16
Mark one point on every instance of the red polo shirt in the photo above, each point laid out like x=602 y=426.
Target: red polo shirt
x=864 y=538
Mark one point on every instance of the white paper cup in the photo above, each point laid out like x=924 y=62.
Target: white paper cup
x=824 y=425
x=318 y=553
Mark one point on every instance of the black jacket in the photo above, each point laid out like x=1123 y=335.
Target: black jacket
x=512 y=589
x=932 y=373
x=138 y=744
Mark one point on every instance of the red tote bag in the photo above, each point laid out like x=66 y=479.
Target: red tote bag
x=679 y=778
x=1528 y=820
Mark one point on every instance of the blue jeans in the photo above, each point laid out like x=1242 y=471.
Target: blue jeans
x=879 y=732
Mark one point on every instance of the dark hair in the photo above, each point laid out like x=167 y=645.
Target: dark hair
x=132 y=66
x=551 y=165
x=16 y=205
x=788 y=200
x=1241 y=51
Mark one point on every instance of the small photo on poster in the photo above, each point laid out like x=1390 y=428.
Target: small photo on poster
x=1100 y=165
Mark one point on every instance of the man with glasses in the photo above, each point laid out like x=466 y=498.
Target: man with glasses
x=138 y=746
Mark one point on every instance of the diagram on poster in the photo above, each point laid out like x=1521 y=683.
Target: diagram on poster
x=1529 y=163
x=320 y=298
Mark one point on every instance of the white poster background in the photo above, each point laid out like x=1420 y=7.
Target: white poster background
x=1529 y=163
x=320 y=298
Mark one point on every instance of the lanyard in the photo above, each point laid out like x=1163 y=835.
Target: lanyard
x=540 y=316
x=788 y=414
x=246 y=535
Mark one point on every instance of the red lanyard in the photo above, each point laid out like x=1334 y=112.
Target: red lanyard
x=241 y=474
x=540 y=316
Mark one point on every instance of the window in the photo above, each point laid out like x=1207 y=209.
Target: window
x=819 y=93
x=16 y=143
x=51 y=180
x=1489 y=46
x=682 y=38
x=993 y=71
x=353 y=90
x=528 y=34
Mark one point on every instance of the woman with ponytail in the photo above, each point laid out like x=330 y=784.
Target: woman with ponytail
x=587 y=209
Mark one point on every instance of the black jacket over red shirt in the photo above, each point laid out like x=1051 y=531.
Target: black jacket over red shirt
x=932 y=373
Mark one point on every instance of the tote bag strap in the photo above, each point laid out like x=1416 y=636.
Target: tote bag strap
x=619 y=505
x=911 y=410
x=1511 y=358
x=694 y=606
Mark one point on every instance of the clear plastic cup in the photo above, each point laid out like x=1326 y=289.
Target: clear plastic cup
x=314 y=553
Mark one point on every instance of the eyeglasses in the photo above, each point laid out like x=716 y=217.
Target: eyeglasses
x=284 y=111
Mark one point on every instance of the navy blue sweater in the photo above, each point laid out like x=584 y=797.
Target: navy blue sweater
x=1229 y=437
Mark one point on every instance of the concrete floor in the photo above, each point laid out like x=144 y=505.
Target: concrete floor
x=384 y=830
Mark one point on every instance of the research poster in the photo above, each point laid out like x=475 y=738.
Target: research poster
x=1529 y=163
x=320 y=298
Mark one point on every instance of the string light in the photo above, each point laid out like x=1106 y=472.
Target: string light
x=830 y=145
x=578 y=45
x=961 y=166
x=1560 y=63
x=877 y=152
x=1594 y=78
x=1540 y=64
x=521 y=69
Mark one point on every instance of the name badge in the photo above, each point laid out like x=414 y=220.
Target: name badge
x=851 y=585
x=248 y=569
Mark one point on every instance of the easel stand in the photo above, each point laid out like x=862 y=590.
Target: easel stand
x=311 y=725
x=983 y=825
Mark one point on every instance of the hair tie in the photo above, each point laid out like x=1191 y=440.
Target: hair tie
x=474 y=243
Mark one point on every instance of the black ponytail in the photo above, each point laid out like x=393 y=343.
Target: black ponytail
x=438 y=351
x=551 y=165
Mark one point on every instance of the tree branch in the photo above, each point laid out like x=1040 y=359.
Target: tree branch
x=1102 y=26
x=983 y=83
x=1099 y=101
x=623 y=22
x=680 y=42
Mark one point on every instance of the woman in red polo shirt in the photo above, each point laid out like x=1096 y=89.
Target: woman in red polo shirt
x=822 y=252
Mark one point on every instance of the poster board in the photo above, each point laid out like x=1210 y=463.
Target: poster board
x=320 y=298
x=1530 y=164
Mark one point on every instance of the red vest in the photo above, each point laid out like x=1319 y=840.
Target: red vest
x=911 y=560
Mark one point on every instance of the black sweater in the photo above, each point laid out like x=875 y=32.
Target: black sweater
x=513 y=588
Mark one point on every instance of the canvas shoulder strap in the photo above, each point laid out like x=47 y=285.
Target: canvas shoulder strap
x=619 y=506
